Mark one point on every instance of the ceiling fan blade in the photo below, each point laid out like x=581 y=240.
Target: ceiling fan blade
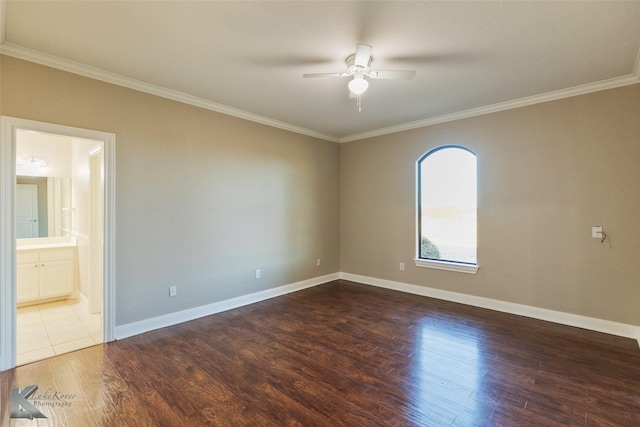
x=363 y=55
x=393 y=74
x=307 y=76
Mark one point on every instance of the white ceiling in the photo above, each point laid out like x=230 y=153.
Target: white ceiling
x=247 y=58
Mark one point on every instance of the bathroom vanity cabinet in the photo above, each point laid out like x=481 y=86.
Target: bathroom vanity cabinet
x=45 y=272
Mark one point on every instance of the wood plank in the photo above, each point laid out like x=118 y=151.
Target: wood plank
x=344 y=354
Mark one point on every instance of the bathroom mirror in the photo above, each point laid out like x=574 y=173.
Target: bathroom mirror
x=43 y=185
x=43 y=207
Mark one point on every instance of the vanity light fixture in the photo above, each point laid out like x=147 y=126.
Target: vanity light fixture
x=30 y=165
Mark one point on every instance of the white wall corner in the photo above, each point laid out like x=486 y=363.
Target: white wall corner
x=568 y=319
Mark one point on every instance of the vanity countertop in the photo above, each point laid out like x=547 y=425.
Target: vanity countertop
x=40 y=246
x=45 y=243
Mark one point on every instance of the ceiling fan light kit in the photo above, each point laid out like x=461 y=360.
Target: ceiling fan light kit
x=358 y=85
x=358 y=66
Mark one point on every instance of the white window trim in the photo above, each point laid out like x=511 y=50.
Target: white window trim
x=447 y=265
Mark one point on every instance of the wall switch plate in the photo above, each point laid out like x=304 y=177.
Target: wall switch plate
x=402 y=266
x=596 y=232
x=173 y=291
x=258 y=273
x=318 y=262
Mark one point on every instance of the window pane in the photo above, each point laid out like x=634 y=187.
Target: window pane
x=448 y=202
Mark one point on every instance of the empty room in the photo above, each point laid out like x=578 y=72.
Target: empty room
x=319 y=213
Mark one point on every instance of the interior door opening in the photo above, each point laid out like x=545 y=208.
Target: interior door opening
x=58 y=273
x=56 y=285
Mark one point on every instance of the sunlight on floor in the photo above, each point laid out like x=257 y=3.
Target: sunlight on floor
x=46 y=330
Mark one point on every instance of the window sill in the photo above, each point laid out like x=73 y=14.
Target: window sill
x=447 y=265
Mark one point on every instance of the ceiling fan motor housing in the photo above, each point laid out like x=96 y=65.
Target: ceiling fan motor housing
x=352 y=68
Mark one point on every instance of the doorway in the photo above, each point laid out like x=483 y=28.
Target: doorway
x=59 y=304
x=86 y=226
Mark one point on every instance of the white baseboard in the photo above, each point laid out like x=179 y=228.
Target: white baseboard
x=590 y=323
x=82 y=300
x=135 y=328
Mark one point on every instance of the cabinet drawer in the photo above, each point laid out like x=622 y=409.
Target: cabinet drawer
x=57 y=254
x=27 y=257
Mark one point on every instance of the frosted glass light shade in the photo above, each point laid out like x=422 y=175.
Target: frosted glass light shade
x=358 y=85
x=30 y=166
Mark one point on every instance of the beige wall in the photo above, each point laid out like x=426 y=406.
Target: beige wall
x=546 y=174
x=202 y=199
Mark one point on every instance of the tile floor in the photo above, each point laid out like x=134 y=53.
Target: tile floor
x=45 y=330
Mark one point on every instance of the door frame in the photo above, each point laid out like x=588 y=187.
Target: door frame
x=96 y=238
x=8 y=128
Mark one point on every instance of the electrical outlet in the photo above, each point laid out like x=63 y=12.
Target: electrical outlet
x=258 y=273
x=318 y=262
x=596 y=232
x=173 y=291
x=402 y=266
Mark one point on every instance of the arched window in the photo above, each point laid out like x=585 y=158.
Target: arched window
x=447 y=200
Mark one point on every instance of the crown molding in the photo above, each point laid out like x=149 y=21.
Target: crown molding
x=52 y=61
x=508 y=105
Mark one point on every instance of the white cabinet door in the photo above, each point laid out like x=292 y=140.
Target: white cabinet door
x=28 y=282
x=45 y=273
x=56 y=278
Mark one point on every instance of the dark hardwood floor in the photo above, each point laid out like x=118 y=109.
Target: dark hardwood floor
x=342 y=354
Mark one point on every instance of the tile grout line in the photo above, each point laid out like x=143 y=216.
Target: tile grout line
x=62 y=311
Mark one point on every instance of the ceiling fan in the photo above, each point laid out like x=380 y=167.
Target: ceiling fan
x=358 y=67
